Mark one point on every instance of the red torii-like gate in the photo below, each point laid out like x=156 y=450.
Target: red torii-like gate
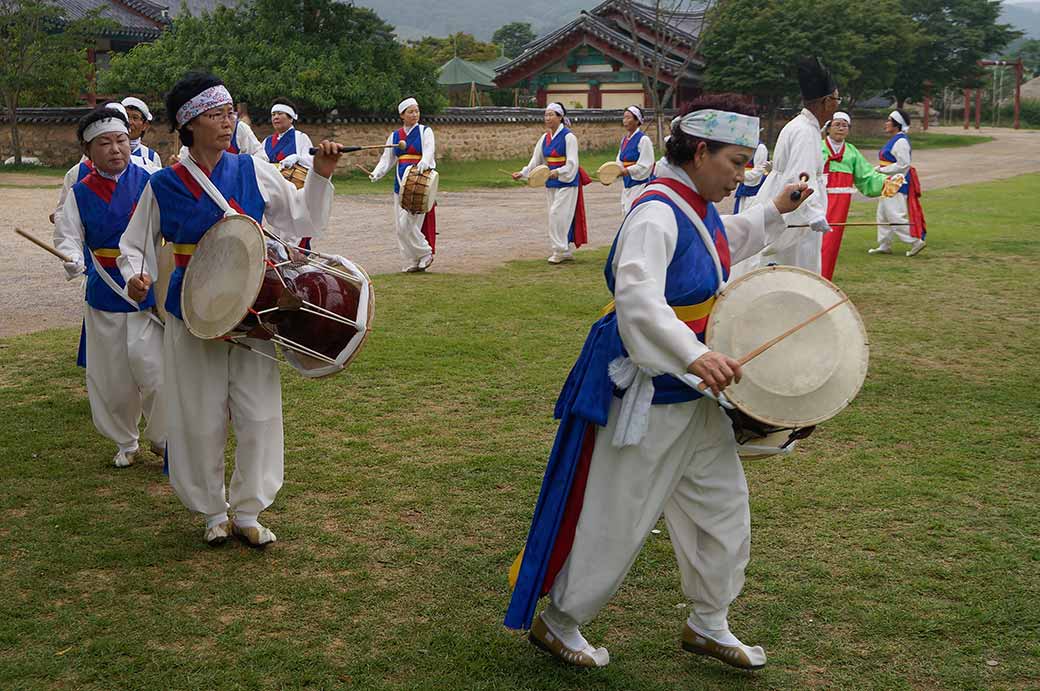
x=978 y=92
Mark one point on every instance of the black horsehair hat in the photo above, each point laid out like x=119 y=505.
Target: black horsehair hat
x=814 y=79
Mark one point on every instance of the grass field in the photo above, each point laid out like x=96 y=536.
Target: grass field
x=897 y=549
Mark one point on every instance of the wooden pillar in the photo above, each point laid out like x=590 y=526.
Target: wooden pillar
x=978 y=108
x=1018 y=91
x=595 y=95
x=541 y=97
x=967 y=107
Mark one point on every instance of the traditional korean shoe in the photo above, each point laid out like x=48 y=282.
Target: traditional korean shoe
x=556 y=258
x=740 y=656
x=915 y=248
x=124 y=459
x=879 y=250
x=410 y=269
x=425 y=262
x=567 y=257
x=542 y=637
x=253 y=535
x=218 y=534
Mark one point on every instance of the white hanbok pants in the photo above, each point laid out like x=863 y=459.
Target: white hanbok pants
x=206 y=380
x=124 y=375
x=629 y=195
x=687 y=467
x=410 y=240
x=893 y=210
x=562 y=203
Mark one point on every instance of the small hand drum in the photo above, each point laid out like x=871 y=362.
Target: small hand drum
x=609 y=172
x=892 y=184
x=418 y=190
x=538 y=176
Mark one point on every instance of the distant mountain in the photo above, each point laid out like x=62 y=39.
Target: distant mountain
x=1024 y=16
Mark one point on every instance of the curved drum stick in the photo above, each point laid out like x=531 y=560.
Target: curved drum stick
x=42 y=245
x=400 y=146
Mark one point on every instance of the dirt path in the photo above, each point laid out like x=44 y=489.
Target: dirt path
x=479 y=230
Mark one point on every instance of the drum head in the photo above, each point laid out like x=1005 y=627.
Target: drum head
x=223 y=277
x=430 y=198
x=806 y=378
x=162 y=285
x=609 y=172
x=538 y=176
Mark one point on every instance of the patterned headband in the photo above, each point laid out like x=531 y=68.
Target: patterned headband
x=213 y=97
x=720 y=126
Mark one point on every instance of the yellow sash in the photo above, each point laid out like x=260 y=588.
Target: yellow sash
x=686 y=313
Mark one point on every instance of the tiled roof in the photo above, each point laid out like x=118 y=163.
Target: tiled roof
x=142 y=19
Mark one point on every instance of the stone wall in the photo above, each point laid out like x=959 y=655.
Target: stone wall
x=492 y=134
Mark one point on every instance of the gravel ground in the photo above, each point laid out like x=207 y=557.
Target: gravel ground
x=479 y=230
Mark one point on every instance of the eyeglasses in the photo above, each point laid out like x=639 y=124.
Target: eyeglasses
x=219 y=116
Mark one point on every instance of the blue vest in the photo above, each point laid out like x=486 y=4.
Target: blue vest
x=186 y=212
x=629 y=153
x=233 y=146
x=410 y=156
x=886 y=156
x=556 y=148
x=145 y=154
x=104 y=221
x=286 y=145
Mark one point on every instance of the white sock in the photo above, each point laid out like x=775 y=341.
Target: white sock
x=213 y=520
x=721 y=636
x=564 y=628
x=246 y=520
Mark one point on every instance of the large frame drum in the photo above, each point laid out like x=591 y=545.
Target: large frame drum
x=805 y=379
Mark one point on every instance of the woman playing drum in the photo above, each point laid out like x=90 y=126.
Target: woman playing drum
x=636 y=154
x=287 y=146
x=416 y=233
x=558 y=149
x=207 y=378
x=123 y=343
x=619 y=462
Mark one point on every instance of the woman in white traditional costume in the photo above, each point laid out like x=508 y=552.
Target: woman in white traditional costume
x=636 y=155
x=287 y=146
x=634 y=440
x=416 y=233
x=205 y=380
x=557 y=150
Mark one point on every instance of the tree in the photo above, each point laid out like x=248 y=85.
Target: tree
x=439 y=50
x=659 y=32
x=43 y=59
x=953 y=36
x=752 y=47
x=321 y=54
x=1029 y=51
x=513 y=37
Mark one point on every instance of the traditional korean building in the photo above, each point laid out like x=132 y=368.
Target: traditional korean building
x=594 y=61
x=136 y=21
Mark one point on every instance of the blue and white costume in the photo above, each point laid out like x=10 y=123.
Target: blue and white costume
x=559 y=151
x=414 y=231
x=636 y=154
x=123 y=344
x=754 y=175
x=205 y=379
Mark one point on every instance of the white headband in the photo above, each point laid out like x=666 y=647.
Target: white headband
x=894 y=115
x=118 y=107
x=405 y=105
x=636 y=112
x=841 y=116
x=720 y=126
x=282 y=108
x=100 y=127
x=131 y=102
x=213 y=97
x=558 y=109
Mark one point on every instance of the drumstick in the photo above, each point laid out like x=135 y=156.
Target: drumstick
x=40 y=243
x=400 y=146
x=366 y=171
x=797 y=194
x=773 y=341
x=846 y=225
